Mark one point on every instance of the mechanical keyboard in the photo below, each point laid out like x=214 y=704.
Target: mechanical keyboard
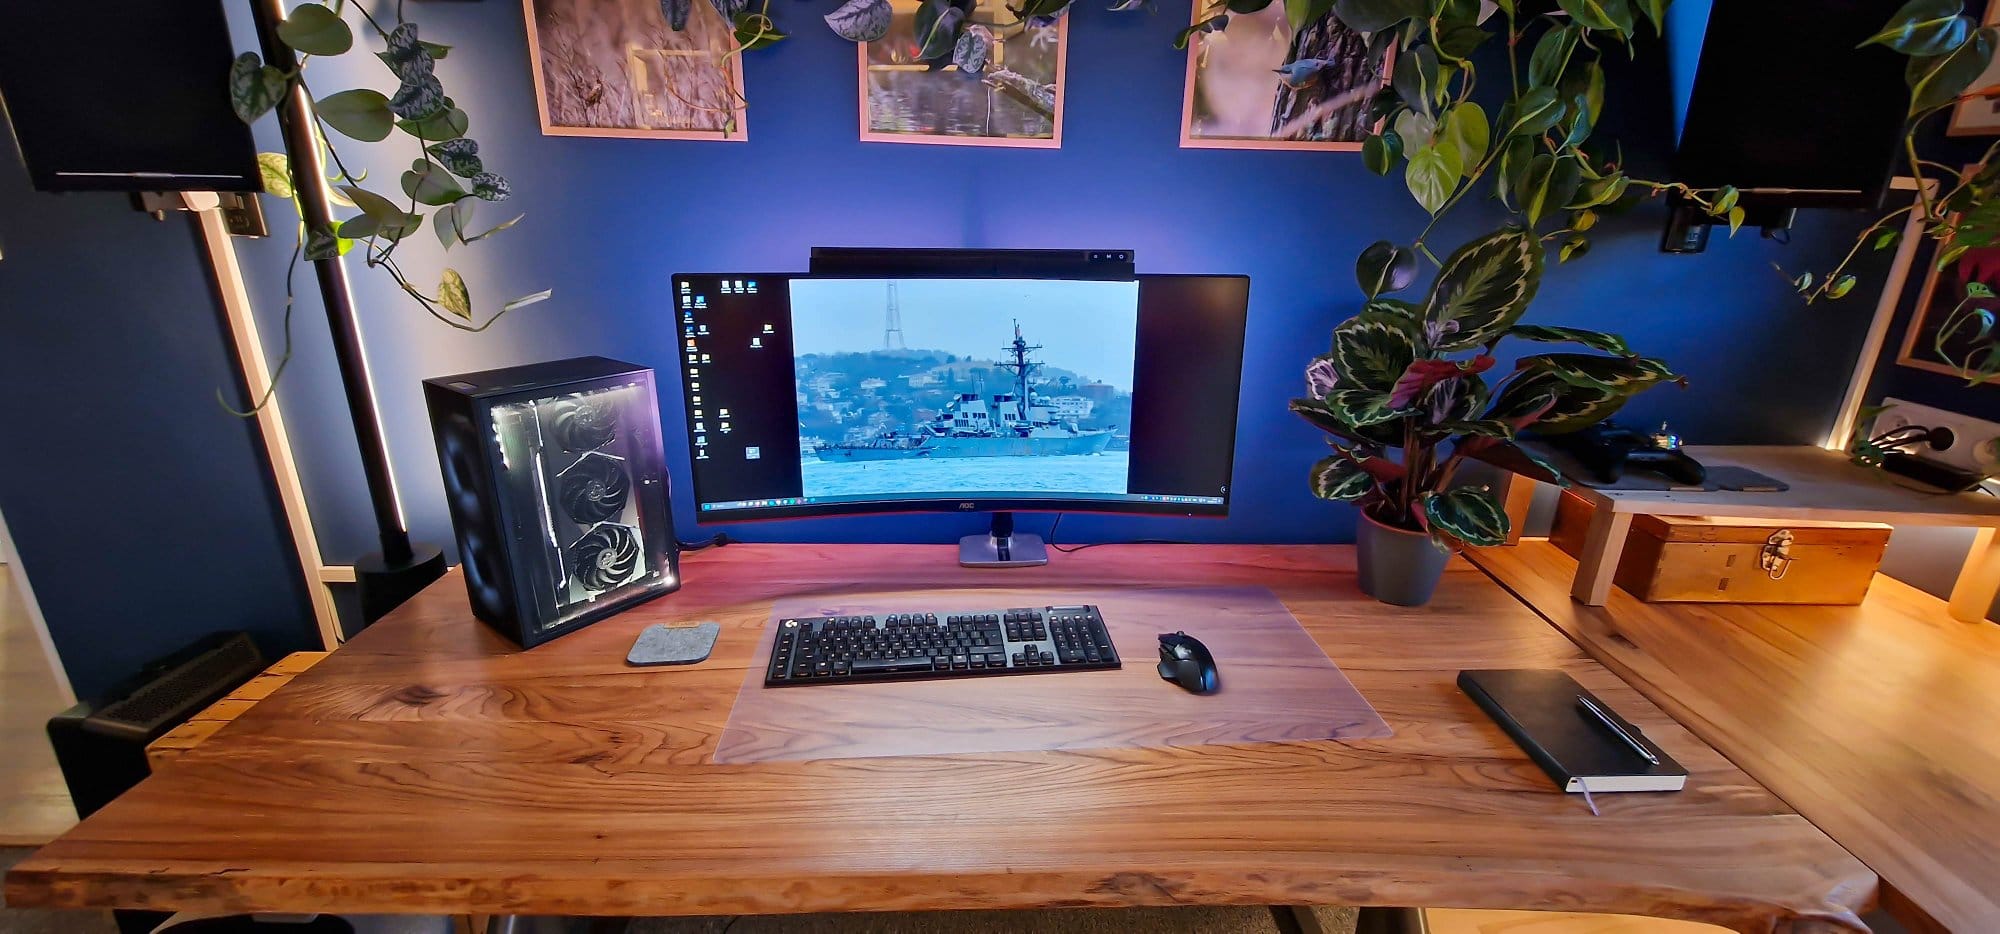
x=902 y=646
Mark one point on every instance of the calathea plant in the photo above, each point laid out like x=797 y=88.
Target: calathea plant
x=1409 y=376
x=448 y=173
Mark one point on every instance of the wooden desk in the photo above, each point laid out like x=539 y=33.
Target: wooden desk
x=1824 y=485
x=1875 y=721
x=428 y=766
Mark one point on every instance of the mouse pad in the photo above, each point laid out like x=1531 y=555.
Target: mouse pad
x=1276 y=685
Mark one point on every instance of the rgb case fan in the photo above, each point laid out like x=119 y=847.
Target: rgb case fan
x=558 y=492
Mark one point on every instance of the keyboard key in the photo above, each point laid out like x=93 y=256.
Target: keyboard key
x=892 y=665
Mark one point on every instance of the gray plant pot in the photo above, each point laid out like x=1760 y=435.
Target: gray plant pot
x=1396 y=566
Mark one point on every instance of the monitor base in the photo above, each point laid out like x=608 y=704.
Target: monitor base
x=986 y=550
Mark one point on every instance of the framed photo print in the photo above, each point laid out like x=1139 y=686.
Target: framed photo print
x=1980 y=116
x=1015 y=100
x=1237 y=99
x=1949 y=332
x=616 y=68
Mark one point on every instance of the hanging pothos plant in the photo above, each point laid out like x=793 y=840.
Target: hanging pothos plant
x=448 y=175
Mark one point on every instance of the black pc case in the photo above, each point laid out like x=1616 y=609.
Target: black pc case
x=558 y=491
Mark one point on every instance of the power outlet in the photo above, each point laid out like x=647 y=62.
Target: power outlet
x=1975 y=443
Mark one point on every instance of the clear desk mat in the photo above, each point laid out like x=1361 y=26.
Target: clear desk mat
x=1276 y=685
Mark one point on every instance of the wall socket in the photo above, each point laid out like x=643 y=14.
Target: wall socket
x=1975 y=444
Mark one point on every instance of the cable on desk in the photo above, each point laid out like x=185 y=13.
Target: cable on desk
x=717 y=540
x=1053 y=526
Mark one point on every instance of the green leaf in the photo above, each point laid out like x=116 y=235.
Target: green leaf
x=1417 y=77
x=1573 y=248
x=453 y=296
x=1466 y=129
x=756 y=31
x=1845 y=284
x=361 y=114
x=1548 y=186
x=1322 y=416
x=1532 y=113
x=1925 y=27
x=1214 y=23
x=254 y=88
x=1937 y=81
x=1459 y=40
x=1551 y=334
x=1978 y=290
x=1482 y=289
x=1944 y=260
x=275 y=170
x=444 y=223
x=1381 y=151
x=1613 y=15
x=1432 y=175
x=429 y=183
x=1371 y=351
x=315 y=30
x=937 y=26
x=1302 y=13
x=1385 y=267
x=1468 y=514
x=1377 y=15
x=1656 y=12
x=1552 y=54
x=1361 y=407
x=448 y=124
x=388 y=220
x=1339 y=478
x=1725 y=198
x=1736 y=216
x=1887 y=238
x=1551 y=405
x=466 y=217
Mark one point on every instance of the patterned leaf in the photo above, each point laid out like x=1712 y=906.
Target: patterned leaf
x=453 y=296
x=1372 y=351
x=1511 y=457
x=729 y=8
x=1549 y=334
x=1339 y=477
x=254 y=87
x=1467 y=514
x=974 y=49
x=1482 y=290
x=419 y=99
x=459 y=156
x=1541 y=399
x=1322 y=377
x=860 y=20
x=276 y=172
x=1321 y=416
x=1618 y=374
x=1361 y=407
x=490 y=187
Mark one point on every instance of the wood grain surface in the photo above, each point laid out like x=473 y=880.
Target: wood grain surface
x=430 y=766
x=1875 y=721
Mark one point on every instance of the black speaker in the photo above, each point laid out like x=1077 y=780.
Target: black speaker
x=557 y=484
x=124 y=95
x=1778 y=100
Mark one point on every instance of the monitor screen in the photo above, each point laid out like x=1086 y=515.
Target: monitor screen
x=813 y=395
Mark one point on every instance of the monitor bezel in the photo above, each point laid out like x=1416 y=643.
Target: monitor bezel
x=960 y=504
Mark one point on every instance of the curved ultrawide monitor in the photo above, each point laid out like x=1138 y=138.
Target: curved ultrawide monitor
x=815 y=395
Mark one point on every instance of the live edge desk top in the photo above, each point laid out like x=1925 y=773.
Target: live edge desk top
x=428 y=766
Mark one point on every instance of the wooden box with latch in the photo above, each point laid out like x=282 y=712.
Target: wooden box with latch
x=1704 y=559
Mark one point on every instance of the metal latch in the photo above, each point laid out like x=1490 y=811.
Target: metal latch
x=1776 y=556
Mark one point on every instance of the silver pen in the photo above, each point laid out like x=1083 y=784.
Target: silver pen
x=1604 y=716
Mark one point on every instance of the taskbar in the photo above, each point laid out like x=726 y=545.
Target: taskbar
x=782 y=502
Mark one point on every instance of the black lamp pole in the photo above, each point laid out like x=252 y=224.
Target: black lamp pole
x=386 y=578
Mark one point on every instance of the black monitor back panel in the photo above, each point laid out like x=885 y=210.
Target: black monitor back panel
x=124 y=95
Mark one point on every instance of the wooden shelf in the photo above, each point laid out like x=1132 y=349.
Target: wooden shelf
x=1875 y=721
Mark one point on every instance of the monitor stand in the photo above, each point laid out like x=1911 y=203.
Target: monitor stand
x=1002 y=547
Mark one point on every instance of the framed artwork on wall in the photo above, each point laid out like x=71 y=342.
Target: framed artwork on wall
x=1980 y=116
x=615 y=68
x=1016 y=100
x=1946 y=334
x=1235 y=98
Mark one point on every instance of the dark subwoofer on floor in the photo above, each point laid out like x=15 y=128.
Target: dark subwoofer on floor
x=557 y=484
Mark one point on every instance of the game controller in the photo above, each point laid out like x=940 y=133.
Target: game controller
x=1606 y=450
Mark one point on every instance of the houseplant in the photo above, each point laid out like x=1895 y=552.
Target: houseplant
x=1408 y=377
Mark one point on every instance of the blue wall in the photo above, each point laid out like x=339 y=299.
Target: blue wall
x=610 y=220
x=143 y=513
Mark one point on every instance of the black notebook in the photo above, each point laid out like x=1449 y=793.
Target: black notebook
x=1545 y=712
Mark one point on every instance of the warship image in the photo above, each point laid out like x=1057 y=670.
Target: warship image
x=1019 y=422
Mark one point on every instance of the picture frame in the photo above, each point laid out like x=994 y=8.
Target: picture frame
x=1939 y=305
x=1233 y=99
x=902 y=100
x=1979 y=116
x=611 y=68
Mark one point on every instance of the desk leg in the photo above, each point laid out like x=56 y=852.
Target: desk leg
x=1517 y=496
x=1598 y=563
x=1978 y=580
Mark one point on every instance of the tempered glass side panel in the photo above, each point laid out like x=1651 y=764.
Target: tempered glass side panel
x=581 y=465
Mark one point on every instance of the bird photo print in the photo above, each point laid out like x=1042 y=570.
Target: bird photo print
x=1255 y=83
x=620 y=68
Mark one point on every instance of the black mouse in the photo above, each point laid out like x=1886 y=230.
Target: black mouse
x=1186 y=662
